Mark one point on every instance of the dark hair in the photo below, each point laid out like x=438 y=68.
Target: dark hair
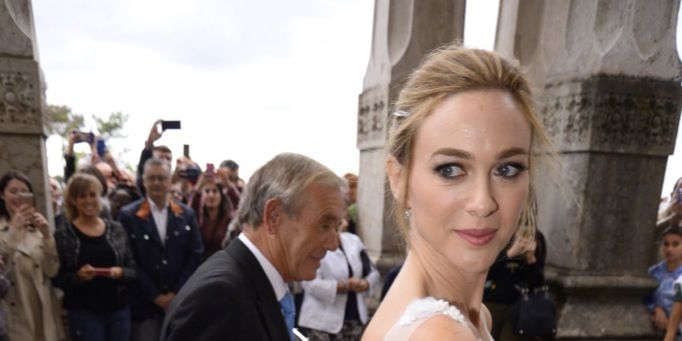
x=225 y=207
x=4 y=181
x=92 y=170
x=229 y=164
x=671 y=229
x=162 y=148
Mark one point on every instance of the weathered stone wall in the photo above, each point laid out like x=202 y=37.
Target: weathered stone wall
x=404 y=31
x=22 y=114
x=608 y=81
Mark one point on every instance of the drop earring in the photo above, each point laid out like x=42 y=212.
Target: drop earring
x=408 y=213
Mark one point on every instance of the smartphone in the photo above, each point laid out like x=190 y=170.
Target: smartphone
x=27 y=198
x=101 y=148
x=185 y=150
x=102 y=272
x=81 y=136
x=165 y=125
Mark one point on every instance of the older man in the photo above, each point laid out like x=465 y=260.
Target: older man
x=290 y=215
x=167 y=247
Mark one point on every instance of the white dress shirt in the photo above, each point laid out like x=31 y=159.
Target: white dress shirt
x=160 y=218
x=276 y=280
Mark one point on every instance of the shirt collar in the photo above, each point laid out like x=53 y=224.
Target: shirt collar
x=275 y=278
x=155 y=208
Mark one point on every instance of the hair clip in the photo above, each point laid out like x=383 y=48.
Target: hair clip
x=401 y=113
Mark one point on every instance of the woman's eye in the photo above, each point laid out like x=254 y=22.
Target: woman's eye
x=510 y=170
x=449 y=171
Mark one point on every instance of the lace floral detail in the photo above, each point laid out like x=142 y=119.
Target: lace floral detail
x=422 y=308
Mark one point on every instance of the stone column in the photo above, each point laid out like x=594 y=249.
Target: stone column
x=22 y=114
x=610 y=96
x=404 y=31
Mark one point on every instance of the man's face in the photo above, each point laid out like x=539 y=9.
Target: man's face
x=157 y=182
x=306 y=237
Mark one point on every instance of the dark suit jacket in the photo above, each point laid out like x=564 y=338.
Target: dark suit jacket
x=161 y=267
x=228 y=298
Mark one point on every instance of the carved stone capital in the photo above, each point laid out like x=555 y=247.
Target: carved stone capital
x=373 y=117
x=20 y=97
x=615 y=114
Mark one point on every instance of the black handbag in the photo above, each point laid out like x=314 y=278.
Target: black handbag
x=534 y=314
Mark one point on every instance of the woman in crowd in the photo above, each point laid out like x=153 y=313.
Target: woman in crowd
x=459 y=165
x=333 y=305
x=96 y=266
x=214 y=211
x=30 y=254
x=665 y=273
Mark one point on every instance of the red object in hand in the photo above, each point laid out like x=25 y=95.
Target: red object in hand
x=102 y=272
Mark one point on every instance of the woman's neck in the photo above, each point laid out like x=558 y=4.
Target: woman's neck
x=212 y=212
x=87 y=222
x=441 y=280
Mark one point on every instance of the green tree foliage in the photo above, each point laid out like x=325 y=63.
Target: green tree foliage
x=111 y=126
x=62 y=120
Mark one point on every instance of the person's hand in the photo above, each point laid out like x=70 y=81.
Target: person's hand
x=659 y=318
x=154 y=134
x=86 y=273
x=358 y=285
x=341 y=287
x=41 y=224
x=164 y=300
x=115 y=272
x=22 y=217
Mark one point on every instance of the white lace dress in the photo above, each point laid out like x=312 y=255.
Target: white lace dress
x=422 y=309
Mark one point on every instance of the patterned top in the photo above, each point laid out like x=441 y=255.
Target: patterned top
x=663 y=296
x=422 y=309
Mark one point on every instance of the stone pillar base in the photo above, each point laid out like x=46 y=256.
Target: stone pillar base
x=602 y=307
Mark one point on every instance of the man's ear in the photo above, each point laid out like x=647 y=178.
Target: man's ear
x=394 y=171
x=272 y=214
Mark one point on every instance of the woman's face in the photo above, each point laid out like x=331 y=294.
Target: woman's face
x=210 y=194
x=672 y=247
x=11 y=195
x=88 y=202
x=469 y=180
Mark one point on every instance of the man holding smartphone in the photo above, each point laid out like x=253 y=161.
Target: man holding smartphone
x=158 y=152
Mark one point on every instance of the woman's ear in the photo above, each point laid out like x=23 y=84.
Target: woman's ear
x=394 y=171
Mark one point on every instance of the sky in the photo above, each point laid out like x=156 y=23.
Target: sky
x=248 y=79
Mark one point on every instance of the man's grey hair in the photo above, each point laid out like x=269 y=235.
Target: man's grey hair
x=157 y=162
x=285 y=177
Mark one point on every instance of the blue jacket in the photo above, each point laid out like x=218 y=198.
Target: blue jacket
x=161 y=268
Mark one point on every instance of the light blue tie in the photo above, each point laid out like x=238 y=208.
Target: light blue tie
x=289 y=312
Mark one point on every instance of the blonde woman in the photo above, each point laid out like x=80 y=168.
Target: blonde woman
x=30 y=255
x=459 y=164
x=97 y=266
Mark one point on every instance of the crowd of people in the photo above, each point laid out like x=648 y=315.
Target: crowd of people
x=176 y=251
